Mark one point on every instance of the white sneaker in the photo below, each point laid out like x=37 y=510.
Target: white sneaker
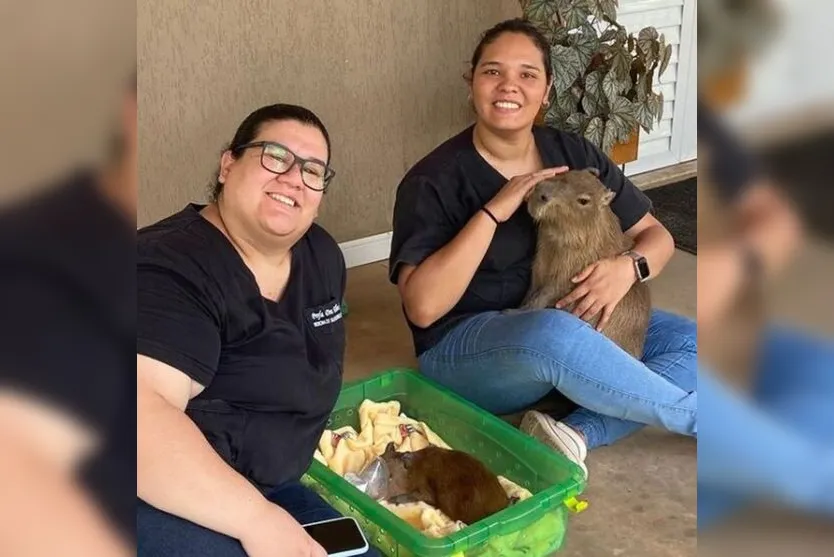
x=557 y=436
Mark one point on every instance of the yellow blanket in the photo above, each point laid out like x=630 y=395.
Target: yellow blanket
x=345 y=450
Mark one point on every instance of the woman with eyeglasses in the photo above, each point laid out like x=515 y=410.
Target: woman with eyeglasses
x=240 y=346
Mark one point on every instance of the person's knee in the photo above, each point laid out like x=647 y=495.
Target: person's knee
x=556 y=335
x=555 y=324
x=561 y=330
x=679 y=333
x=161 y=533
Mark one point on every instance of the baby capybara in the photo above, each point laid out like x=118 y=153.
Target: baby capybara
x=452 y=481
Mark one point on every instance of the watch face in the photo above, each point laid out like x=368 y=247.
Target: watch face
x=643 y=268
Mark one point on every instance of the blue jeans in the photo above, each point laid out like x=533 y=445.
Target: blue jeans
x=505 y=362
x=160 y=534
x=777 y=444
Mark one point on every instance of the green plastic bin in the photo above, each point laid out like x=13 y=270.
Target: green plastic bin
x=534 y=527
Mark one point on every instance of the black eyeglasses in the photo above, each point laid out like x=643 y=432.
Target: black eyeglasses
x=278 y=159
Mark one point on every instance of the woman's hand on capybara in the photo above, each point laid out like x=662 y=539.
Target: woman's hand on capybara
x=601 y=287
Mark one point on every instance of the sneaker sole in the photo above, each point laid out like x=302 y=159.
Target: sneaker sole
x=536 y=425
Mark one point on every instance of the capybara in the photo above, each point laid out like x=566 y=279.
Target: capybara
x=454 y=482
x=576 y=227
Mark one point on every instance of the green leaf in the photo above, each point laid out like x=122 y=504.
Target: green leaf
x=595 y=130
x=642 y=88
x=609 y=8
x=593 y=84
x=575 y=13
x=650 y=59
x=622 y=107
x=646 y=39
x=586 y=44
x=624 y=127
x=576 y=122
x=559 y=34
x=664 y=60
x=620 y=62
x=566 y=67
x=567 y=101
x=648 y=34
x=625 y=130
x=609 y=137
x=590 y=105
x=655 y=105
x=645 y=114
x=652 y=105
x=555 y=119
x=659 y=102
x=612 y=86
x=609 y=34
x=538 y=10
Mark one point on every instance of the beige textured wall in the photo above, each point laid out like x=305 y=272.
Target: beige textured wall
x=63 y=70
x=384 y=76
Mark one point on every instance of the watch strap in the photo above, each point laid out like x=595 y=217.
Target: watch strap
x=641 y=266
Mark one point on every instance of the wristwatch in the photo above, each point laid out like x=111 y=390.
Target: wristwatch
x=641 y=265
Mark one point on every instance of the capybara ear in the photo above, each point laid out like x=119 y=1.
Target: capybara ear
x=607 y=197
x=390 y=450
x=406 y=458
x=593 y=170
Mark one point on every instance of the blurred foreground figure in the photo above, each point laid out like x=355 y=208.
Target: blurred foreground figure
x=766 y=403
x=67 y=384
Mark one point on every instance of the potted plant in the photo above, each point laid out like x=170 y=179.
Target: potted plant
x=729 y=35
x=603 y=76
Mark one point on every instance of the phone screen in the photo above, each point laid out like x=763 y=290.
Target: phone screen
x=337 y=536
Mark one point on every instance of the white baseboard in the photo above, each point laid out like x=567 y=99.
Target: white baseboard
x=366 y=250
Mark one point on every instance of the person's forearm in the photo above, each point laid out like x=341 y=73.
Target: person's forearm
x=775 y=236
x=44 y=511
x=438 y=283
x=657 y=246
x=180 y=473
x=765 y=237
x=720 y=277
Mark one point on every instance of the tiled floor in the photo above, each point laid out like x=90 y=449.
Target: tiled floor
x=641 y=492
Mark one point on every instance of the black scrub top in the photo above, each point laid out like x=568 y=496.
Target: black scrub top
x=68 y=324
x=272 y=370
x=733 y=168
x=442 y=192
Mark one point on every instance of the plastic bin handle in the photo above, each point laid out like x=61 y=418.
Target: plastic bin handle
x=575 y=505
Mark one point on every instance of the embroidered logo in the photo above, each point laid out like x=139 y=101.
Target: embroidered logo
x=325 y=315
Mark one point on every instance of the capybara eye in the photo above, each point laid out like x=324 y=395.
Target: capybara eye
x=584 y=200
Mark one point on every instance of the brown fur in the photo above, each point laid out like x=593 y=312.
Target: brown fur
x=576 y=227
x=452 y=481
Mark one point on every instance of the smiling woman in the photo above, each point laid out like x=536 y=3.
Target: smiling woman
x=510 y=51
x=462 y=252
x=237 y=371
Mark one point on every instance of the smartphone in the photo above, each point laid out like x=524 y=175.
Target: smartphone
x=340 y=537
